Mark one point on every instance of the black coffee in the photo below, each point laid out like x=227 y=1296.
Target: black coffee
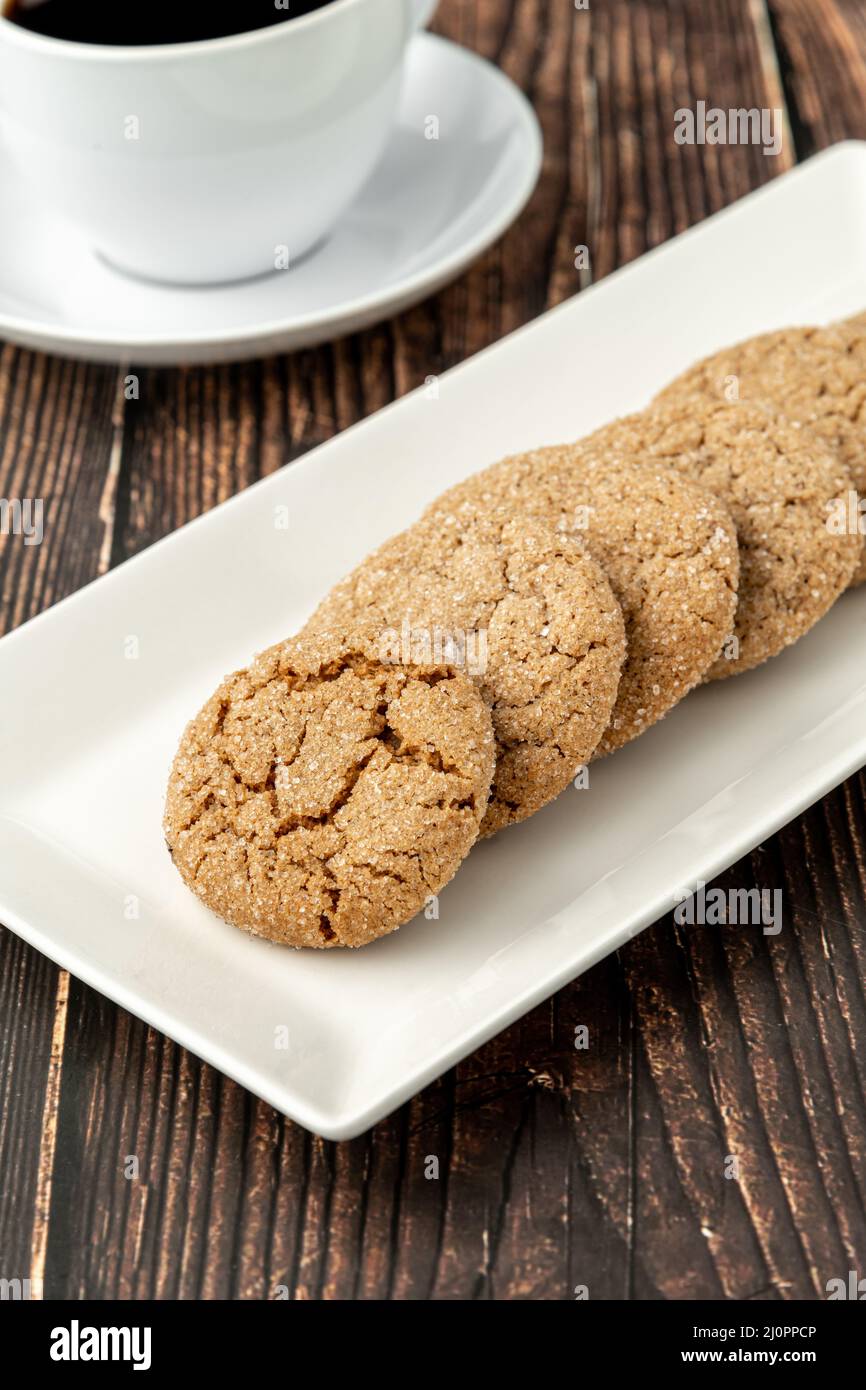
x=138 y=22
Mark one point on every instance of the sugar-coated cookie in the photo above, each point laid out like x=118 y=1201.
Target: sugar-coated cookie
x=667 y=545
x=781 y=484
x=531 y=617
x=322 y=795
x=815 y=376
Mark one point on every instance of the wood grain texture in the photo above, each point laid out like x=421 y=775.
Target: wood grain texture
x=559 y=1168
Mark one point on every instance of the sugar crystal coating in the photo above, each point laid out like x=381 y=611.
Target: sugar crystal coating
x=667 y=545
x=780 y=483
x=322 y=797
x=816 y=377
x=544 y=614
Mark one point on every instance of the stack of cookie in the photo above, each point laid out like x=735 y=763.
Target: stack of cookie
x=540 y=614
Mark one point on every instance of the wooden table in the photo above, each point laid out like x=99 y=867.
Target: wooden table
x=558 y=1168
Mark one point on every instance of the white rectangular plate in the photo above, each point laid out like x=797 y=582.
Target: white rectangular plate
x=87 y=734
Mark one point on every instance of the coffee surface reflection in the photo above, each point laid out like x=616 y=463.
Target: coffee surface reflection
x=139 y=22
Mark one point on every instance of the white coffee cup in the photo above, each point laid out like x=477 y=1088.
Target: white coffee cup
x=210 y=161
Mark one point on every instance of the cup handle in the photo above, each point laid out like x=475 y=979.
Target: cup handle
x=423 y=12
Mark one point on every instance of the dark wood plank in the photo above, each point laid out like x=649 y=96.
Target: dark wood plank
x=822 y=54
x=58 y=429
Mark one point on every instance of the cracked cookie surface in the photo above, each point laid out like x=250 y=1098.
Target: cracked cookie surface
x=667 y=545
x=534 y=606
x=321 y=796
x=779 y=483
x=815 y=376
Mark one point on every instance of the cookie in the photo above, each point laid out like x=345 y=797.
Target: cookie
x=533 y=620
x=815 y=376
x=322 y=796
x=779 y=485
x=667 y=545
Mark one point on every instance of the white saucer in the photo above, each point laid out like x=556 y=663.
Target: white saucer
x=429 y=209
